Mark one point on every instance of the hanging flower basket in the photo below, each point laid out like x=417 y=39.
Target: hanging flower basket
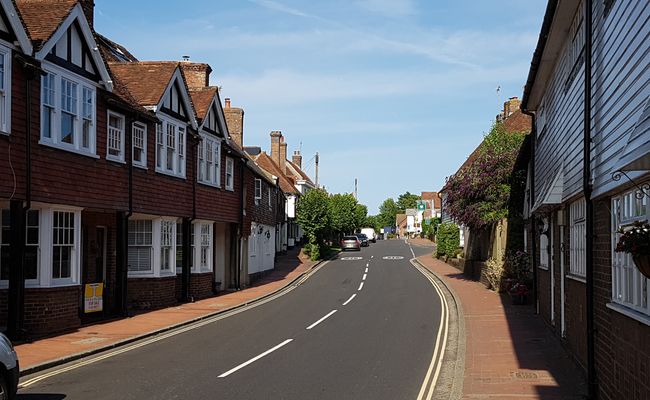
x=635 y=240
x=642 y=262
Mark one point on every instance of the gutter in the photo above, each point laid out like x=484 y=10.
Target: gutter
x=551 y=7
x=531 y=199
x=592 y=381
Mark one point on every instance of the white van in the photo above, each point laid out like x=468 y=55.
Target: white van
x=370 y=232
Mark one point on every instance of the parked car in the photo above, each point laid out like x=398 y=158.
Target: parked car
x=9 y=372
x=370 y=232
x=365 y=242
x=350 y=243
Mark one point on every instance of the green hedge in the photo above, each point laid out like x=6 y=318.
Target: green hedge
x=448 y=240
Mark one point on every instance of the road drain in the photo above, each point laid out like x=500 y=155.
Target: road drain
x=525 y=375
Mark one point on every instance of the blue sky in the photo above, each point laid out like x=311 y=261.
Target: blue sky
x=396 y=93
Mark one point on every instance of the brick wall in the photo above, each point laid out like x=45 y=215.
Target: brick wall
x=622 y=344
x=201 y=285
x=51 y=310
x=151 y=293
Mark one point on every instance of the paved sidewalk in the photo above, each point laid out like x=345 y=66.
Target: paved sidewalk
x=510 y=353
x=93 y=338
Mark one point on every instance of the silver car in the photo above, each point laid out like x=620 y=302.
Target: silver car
x=9 y=370
x=350 y=243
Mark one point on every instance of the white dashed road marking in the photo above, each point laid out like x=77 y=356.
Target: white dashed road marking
x=252 y=360
x=360 y=286
x=350 y=299
x=321 y=320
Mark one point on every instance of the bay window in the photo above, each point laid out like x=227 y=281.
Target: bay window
x=63 y=244
x=140 y=240
x=170 y=148
x=67 y=112
x=167 y=244
x=115 y=137
x=209 y=155
x=205 y=248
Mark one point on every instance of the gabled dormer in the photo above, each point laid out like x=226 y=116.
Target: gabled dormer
x=161 y=87
x=74 y=72
x=12 y=37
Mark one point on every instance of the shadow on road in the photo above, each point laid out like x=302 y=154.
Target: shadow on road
x=41 y=396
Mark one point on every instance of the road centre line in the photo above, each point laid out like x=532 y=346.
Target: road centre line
x=350 y=299
x=366 y=270
x=360 y=286
x=252 y=360
x=364 y=277
x=321 y=320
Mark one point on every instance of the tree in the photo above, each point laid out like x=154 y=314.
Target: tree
x=361 y=216
x=387 y=212
x=478 y=194
x=373 y=222
x=407 y=200
x=312 y=215
x=342 y=213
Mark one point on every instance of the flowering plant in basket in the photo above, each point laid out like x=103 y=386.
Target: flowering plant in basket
x=635 y=240
x=519 y=289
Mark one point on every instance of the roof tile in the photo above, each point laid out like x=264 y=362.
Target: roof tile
x=43 y=17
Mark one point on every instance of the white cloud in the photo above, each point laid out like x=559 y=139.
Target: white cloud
x=389 y=8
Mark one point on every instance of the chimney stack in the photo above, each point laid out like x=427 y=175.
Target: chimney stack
x=283 y=156
x=297 y=158
x=276 y=140
x=511 y=106
x=235 y=123
x=88 y=6
x=197 y=75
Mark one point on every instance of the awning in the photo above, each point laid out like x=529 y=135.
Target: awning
x=551 y=196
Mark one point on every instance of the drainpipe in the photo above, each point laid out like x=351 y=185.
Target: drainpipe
x=186 y=274
x=533 y=229
x=242 y=166
x=592 y=380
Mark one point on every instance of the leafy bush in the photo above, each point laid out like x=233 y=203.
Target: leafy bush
x=517 y=266
x=494 y=273
x=315 y=252
x=448 y=240
x=391 y=236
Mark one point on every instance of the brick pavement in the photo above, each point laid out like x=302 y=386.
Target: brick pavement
x=510 y=353
x=92 y=338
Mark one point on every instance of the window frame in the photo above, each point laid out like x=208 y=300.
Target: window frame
x=199 y=245
x=230 y=173
x=577 y=239
x=82 y=84
x=258 y=190
x=628 y=284
x=5 y=93
x=203 y=163
x=176 y=143
x=156 y=248
x=122 y=136
x=143 y=127
x=140 y=246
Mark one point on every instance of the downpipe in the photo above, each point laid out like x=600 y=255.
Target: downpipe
x=531 y=199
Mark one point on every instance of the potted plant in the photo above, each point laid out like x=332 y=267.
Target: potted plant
x=635 y=240
x=519 y=293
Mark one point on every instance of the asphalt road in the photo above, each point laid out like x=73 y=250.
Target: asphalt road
x=345 y=333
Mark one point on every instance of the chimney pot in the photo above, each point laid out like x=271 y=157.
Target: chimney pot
x=227 y=102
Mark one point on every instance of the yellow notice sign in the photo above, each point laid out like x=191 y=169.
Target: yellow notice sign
x=93 y=297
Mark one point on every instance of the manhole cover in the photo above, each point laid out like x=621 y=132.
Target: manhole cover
x=393 y=258
x=351 y=258
x=525 y=375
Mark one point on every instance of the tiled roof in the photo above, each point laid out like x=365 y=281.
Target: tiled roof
x=113 y=52
x=264 y=161
x=202 y=98
x=146 y=80
x=400 y=219
x=43 y=17
x=300 y=172
x=432 y=196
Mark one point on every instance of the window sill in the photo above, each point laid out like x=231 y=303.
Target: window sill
x=115 y=160
x=542 y=267
x=628 y=312
x=141 y=275
x=171 y=174
x=230 y=189
x=68 y=149
x=577 y=278
x=214 y=185
x=142 y=167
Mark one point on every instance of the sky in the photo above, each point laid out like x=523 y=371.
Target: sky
x=394 y=93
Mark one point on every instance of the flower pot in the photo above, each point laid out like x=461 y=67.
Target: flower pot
x=642 y=262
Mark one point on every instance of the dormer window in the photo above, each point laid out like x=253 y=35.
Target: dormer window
x=67 y=113
x=170 y=148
